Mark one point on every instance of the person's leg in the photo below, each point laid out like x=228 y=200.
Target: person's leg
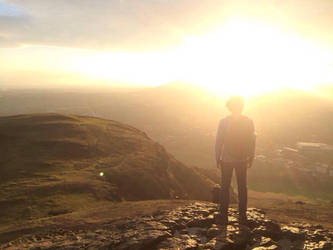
x=226 y=174
x=241 y=175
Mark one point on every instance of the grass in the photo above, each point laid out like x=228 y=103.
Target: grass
x=284 y=208
x=89 y=217
x=51 y=165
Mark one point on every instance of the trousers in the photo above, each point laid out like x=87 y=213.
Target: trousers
x=241 y=176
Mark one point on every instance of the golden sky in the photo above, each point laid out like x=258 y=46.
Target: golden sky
x=227 y=46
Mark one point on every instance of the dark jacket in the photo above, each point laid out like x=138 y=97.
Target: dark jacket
x=222 y=155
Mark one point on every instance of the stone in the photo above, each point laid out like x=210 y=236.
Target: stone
x=177 y=243
x=219 y=244
x=264 y=241
x=272 y=247
x=325 y=245
x=232 y=219
x=184 y=219
x=317 y=236
x=154 y=225
x=293 y=233
x=144 y=240
x=330 y=236
x=253 y=223
x=242 y=237
x=171 y=224
x=204 y=212
x=273 y=229
x=183 y=231
x=214 y=231
x=233 y=229
x=285 y=243
x=201 y=222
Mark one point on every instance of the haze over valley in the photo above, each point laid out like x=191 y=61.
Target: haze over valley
x=183 y=118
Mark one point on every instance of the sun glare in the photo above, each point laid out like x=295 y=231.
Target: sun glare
x=241 y=57
x=246 y=58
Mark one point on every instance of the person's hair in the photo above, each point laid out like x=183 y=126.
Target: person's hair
x=235 y=103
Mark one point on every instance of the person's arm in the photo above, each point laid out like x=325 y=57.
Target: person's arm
x=253 y=144
x=219 y=143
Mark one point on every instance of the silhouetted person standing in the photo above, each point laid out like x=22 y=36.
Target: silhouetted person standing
x=235 y=147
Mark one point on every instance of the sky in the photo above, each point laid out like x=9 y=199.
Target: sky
x=227 y=46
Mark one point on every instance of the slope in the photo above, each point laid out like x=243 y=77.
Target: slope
x=52 y=164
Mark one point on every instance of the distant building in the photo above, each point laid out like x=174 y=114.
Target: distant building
x=289 y=150
x=278 y=152
x=322 y=168
x=291 y=154
x=305 y=170
x=313 y=147
x=330 y=172
x=278 y=162
x=261 y=157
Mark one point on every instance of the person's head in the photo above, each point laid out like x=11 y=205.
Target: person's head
x=235 y=104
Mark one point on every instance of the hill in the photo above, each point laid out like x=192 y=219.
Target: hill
x=53 y=164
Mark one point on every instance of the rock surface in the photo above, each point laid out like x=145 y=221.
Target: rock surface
x=187 y=227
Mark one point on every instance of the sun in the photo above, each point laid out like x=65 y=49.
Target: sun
x=247 y=57
x=243 y=57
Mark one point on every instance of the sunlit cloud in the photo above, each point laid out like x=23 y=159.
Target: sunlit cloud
x=150 y=24
x=225 y=46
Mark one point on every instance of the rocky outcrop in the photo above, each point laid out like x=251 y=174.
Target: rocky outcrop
x=188 y=227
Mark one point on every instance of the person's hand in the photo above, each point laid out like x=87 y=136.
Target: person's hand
x=250 y=163
x=219 y=165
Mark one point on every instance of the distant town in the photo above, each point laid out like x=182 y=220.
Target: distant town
x=308 y=157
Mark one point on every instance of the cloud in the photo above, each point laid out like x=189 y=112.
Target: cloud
x=9 y=9
x=7 y=43
x=143 y=24
x=115 y=24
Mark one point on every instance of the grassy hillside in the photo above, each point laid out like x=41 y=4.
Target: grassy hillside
x=52 y=164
